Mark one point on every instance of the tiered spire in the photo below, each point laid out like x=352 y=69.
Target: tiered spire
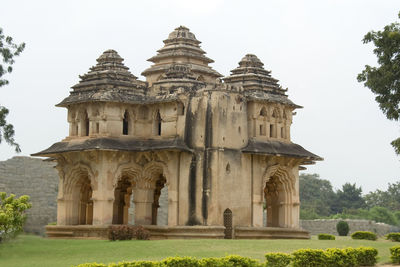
x=252 y=76
x=109 y=71
x=109 y=80
x=181 y=48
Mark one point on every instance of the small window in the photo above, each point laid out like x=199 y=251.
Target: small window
x=157 y=123
x=271 y=130
x=86 y=121
x=263 y=112
x=125 y=123
x=97 y=127
x=262 y=130
x=283 y=132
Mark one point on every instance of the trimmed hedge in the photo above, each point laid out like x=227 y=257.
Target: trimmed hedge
x=342 y=228
x=277 y=259
x=395 y=237
x=326 y=237
x=331 y=257
x=395 y=254
x=364 y=235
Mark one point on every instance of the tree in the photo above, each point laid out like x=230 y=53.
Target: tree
x=12 y=214
x=316 y=196
x=349 y=198
x=389 y=199
x=384 y=80
x=8 y=50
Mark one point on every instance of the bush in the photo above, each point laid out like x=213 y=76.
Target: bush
x=180 y=262
x=326 y=237
x=12 y=215
x=277 y=259
x=120 y=232
x=342 y=228
x=366 y=256
x=336 y=257
x=364 y=235
x=395 y=237
x=134 y=264
x=127 y=232
x=308 y=258
x=395 y=254
x=141 y=233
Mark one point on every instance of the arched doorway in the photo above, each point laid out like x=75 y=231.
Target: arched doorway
x=228 y=224
x=160 y=184
x=122 y=200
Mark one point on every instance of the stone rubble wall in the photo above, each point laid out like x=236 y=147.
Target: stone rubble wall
x=37 y=179
x=328 y=226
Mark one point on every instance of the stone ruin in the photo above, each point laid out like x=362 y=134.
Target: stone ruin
x=219 y=147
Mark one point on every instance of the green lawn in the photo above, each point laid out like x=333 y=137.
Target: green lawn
x=28 y=250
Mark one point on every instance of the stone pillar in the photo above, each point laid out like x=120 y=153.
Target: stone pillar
x=143 y=199
x=127 y=200
x=61 y=212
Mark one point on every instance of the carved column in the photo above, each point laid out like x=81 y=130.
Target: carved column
x=143 y=199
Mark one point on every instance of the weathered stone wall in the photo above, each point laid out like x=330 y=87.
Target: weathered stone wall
x=39 y=180
x=329 y=226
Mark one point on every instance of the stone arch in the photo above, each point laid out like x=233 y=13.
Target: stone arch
x=278 y=191
x=141 y=185
x=77 y=195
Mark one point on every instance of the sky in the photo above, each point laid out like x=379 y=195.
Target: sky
x=314 y=48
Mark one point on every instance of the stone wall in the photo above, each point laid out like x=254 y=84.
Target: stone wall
x=39 y=180
x=329 y=226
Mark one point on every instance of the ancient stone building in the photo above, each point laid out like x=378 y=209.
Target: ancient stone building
x=219 y=147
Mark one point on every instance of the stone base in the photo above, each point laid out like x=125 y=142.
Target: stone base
x=270 y=233
x=179 y=232
x=156 y=232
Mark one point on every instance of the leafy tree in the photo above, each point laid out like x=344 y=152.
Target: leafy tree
x=389 y=199
x=316 y=196
x=381 y=214
x=12 y=214
x=8 y=50
x=384 y=80
x=348 y=198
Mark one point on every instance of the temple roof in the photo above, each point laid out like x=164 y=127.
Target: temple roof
x=277 y=148
x=181 y=47
x=257 y=82
x=252 y=75
x=108 y=80
x=114 y=144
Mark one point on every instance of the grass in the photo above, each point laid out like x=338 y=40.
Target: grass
x=29 y=250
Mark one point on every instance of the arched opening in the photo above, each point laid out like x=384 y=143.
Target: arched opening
x=122 y=200
x=79 y=200
x=84 y=124
x=125 y=123
x=157 y=123
x=228 y=224
x=263 y=112
x=86 y=203
x=277 y=192
x=160 y=184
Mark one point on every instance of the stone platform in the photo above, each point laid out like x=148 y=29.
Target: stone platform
x=179 y=232
x=270 y=233
x=156 y=232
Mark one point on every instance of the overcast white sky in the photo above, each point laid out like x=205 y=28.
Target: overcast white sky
x=313 y=47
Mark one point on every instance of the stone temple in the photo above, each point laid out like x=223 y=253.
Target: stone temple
x=218 y=149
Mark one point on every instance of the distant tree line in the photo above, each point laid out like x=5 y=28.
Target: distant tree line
x=319 y=200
